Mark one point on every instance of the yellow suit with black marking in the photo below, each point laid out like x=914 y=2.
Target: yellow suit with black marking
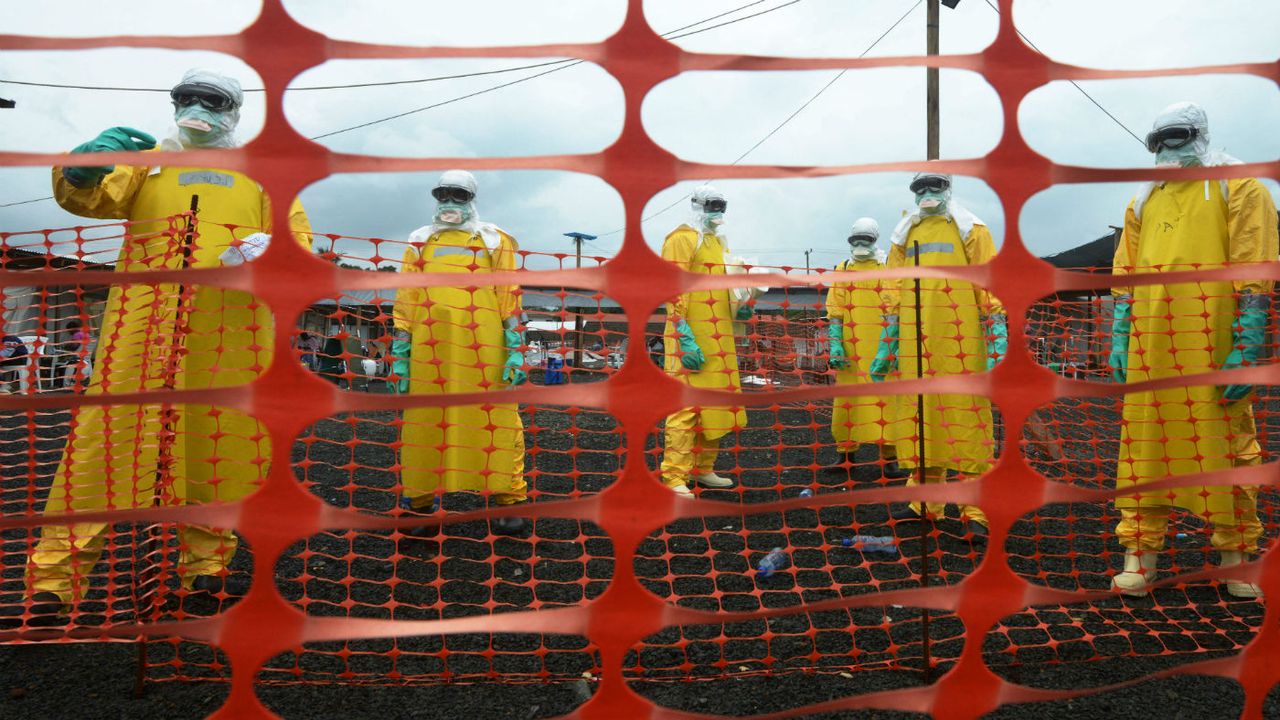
x=456 y=339
x=692 y=435
x=1181 y=329
x=114 y=453
x=859 y=306
x=958 y=429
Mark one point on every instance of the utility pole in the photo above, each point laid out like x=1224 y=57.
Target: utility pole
x=806 y=260
x=932 y=103
x=933 y=150
x=931 y=80
x=577 y=317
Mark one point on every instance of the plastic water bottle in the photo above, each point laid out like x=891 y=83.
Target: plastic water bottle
x=887 y=545
x=772 y=563
x=806 y=493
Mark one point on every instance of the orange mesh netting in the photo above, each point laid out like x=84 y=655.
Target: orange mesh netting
x=349 y=572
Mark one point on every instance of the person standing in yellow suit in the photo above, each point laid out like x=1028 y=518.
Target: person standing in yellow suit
x=963 y=329
x=854 y=313
x=113 y=452
x=699 y=348
x=458 y=339
x=1182 y=329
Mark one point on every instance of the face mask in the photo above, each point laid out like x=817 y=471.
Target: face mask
x=449 y=213
x=713 y=220
x=931 y=203
x=199 y=126
x=1177 y=157
x=862 y=251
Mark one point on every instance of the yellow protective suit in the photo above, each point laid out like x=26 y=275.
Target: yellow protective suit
x=958 y=429
x=1182 y=329
x=692 y=435
x=859 y=306
x=456 y=335
x=112 y=455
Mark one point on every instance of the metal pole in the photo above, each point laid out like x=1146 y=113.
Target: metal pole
x=933 y=143
x=931 y=82
x=925 y=522
x=806 y=260
x=164 y=459
x=577 y=317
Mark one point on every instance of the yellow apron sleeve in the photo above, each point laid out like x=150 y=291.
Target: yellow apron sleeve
x=678 y=248
x=108 y=200
x=1251 y=230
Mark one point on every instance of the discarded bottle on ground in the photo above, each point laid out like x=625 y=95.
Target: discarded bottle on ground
x=772 y=563
x=873 y=543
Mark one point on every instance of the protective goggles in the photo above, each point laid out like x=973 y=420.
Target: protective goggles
x=862 y=240
x=1172 y=137
x=460 y=196
x=714 y=206
x=210 y=101
x=930 y=183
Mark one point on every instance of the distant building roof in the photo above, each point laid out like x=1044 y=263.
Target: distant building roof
x=1095 y=256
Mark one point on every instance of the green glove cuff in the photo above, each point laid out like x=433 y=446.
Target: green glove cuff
x=886 y=358
x=86 y=176
x=1248 y=335
x=835 y=330
x=400 y=350
x=691 y=355
x=1121 y=325
x=997 y=340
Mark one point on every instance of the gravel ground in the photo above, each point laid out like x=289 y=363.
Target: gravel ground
x=703 y=563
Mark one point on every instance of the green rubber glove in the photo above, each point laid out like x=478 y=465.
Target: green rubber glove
x=1248 y=334
x=835 y=344
x=513 y=369
x=400 y=364
x=116 y=139
x=886 y=360
x=691 y=356
x=1121 y=324
x=997 y=340
x=745 y=312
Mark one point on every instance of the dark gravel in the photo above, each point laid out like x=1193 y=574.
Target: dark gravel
x=703 y=563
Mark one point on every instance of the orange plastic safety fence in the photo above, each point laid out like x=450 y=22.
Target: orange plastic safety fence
x=146 y=489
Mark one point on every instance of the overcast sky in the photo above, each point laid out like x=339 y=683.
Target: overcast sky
x=865 y=116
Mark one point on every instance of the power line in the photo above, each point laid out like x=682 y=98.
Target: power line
x=671 y=36
x=414 y=81
x=570 y=64
x=790 y=117
x=561 y=63
x=715 y=17
x=826 y=87
x=24 y=202
x=1074 y=83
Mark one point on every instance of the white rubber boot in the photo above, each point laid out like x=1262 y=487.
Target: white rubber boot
x=1138 y=571
x=1239 y=588
x=682 y=491
x=712 y=480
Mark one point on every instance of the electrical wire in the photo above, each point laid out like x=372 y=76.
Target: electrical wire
x=790 y=117
x=571 y=63
x=563 y=65
x=1074 y=84
x=413 y=81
